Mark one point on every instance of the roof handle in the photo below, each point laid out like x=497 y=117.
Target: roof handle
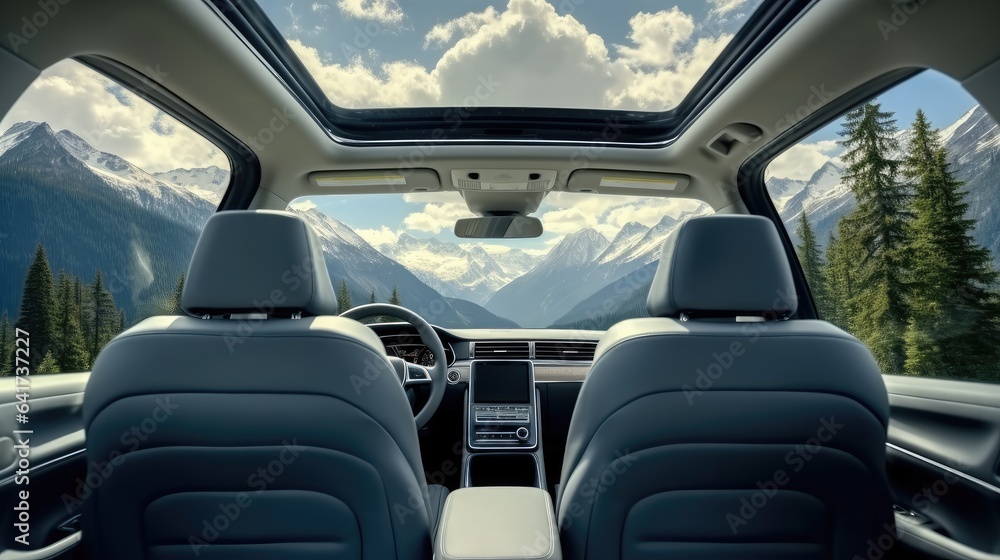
x=737 y=133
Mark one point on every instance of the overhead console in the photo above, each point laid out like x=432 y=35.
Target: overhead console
x=502 y=412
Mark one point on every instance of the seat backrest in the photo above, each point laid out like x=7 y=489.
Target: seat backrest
x=717 y=427
x=281 y=434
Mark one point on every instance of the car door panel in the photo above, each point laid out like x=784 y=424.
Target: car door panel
x=56 y=479
x=943 y=462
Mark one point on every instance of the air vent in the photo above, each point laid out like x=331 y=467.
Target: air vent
x=509 y=350
x=565 y=351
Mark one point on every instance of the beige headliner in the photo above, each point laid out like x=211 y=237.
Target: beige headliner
x=836 y=46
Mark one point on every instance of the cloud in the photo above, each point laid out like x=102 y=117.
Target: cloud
x=436 y=217
x=376 y=237
x=657 y=37
x=565 y=213
x=302 y=205
x=71 y=96
x=723 y=7
x=355 y=85
x=382 y=11
x=442 y=33
x=528 y=54
x=802 y=160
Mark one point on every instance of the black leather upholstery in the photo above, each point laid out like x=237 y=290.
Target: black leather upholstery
x=258 y=438
x=722 y=439
x=258 y=262
x=724 y=265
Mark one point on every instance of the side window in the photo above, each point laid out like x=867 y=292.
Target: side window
x=103 y=197
x=891 y=209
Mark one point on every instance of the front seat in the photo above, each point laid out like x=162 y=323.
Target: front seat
x=717 y=428
x=237 y=433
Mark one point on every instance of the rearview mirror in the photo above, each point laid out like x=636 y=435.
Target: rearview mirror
x=498 y=227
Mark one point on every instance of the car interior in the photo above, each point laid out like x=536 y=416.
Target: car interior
x=278 y=284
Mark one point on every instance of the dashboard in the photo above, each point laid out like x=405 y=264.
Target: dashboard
x=410 y=348
x=557 y=355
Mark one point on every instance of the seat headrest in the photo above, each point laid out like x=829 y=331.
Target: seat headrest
x=723 y=266
x=258 y=261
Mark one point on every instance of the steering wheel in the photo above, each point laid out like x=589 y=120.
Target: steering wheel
x=412 y=374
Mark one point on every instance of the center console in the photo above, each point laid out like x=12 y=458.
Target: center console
x=498 y=524
x=502 y=412
x=503 y=443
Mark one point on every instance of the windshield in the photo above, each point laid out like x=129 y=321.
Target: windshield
x=625 y=55
x=590 y=269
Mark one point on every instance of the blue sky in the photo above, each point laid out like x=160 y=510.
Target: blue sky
x=941 y=98
x=630 y=54
x=321 y=23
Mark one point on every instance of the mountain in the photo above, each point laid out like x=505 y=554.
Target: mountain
x=456 y=272
x=94 y=210
x=973 y=144
x=824 y=198
x=624 y=298
x=210 y=183
x=479 y=317
x=562 y=286
x=515 y=262
x=91 y=210
x=553 y=286
x=352 y=259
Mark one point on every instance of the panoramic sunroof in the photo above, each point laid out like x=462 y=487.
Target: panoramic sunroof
x=583 y=54
x=628 y=71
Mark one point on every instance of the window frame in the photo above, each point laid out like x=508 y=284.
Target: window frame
x=244 y=166
x=750 y=178
x=507 y=125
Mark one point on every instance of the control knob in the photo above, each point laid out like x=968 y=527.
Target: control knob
x=522 y=433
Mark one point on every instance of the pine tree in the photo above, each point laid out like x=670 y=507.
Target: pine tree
x=343 y=297
x=813 y=266
x=878 y=226
x=173 y=305
x=80 y=300
x=372 y=299
x=70 y=351
x=48 y=364
x=122 y=323
x=394 y=298
x=104 y=317
x=841 y=277
x=37 y=315
x=953 y=328
x=6 y=346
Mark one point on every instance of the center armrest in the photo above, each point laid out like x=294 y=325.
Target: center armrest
x=498 y=523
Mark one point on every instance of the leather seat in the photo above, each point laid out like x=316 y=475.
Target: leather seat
x=242 y=431
x=717 y=428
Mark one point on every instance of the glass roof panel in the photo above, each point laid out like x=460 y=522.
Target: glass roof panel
x=627 y=55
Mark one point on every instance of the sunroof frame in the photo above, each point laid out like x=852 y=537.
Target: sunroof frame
x=508 y=125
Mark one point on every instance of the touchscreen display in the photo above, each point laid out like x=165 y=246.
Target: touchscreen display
x=501 y=382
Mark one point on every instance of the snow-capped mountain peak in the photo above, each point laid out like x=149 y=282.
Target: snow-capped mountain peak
x=31 y=139
x=209 y=182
